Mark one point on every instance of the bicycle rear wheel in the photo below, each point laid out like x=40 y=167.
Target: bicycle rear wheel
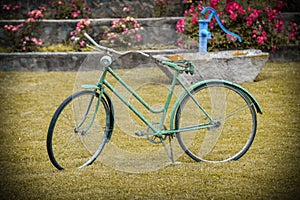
x=230 y=109
x=78 y=130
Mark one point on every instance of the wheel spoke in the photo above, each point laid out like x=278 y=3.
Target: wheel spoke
x=237 y=110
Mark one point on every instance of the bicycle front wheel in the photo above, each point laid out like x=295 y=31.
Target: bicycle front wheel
x=78 y=130
x=234 y=118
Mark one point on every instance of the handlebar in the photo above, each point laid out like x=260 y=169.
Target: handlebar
x=180 y=65
x=110 y=50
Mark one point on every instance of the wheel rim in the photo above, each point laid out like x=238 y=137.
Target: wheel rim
x=231 y=138
x=70 y=146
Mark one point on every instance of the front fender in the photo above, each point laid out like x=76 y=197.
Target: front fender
x=111 y=116
x=243 y=90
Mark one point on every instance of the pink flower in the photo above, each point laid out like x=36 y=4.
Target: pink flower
x=33 y=39
x=192 y=9
x=232 y=7
x=200 y=6
x=73 y=32
x=279 y=26
x=36 y=14
x=214 y=4
x=82 y=43
x=179 y=43
x=74 y=6
x=52 y=3
x=233 y=16
x=195 y=18
x=6 y=7
x=280 y=4
x=43 y=8
x=60 y=3
x=30 y=19
x=212 y=23
x=272 y=14
x=293 y=31
x=180 y=25
x=292 y=35
x=74 y=14
x=138 y=37
x=260 y=40
x=126 y=9
x=88 y=9
x=36 y=41
x=15 y=28
x=8 y=27
x=233 y=39
x=111 y=35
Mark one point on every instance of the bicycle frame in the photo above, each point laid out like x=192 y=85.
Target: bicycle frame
x=102 y=83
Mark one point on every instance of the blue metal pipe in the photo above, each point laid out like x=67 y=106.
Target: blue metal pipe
x=205 y=35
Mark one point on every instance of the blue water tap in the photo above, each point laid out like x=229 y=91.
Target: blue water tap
x=205 y=35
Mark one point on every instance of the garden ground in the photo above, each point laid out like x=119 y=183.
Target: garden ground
x=269 y=170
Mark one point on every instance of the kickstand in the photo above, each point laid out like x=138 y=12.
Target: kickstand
x=169 y=153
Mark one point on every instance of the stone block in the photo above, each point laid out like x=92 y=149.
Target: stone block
x=236 y=66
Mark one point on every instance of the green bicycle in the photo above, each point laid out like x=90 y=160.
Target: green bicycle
x=213 y=120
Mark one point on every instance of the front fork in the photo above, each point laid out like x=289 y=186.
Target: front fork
x=87 y=110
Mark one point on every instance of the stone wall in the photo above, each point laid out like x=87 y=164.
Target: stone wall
x=57 y=31
x=71 y=61
x=105 y=8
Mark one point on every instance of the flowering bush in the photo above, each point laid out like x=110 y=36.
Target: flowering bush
x=76 y=36
x=124 y=32
x=259 y=23
x=66 y=9
x=23 y=36
x=10 y=11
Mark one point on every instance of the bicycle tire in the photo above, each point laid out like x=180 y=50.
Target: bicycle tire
x=70 y=146
x=227 y=105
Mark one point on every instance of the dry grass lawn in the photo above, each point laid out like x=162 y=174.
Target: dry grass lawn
x=269 y=170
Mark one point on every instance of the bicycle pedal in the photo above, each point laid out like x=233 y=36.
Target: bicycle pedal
x=140 y=133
